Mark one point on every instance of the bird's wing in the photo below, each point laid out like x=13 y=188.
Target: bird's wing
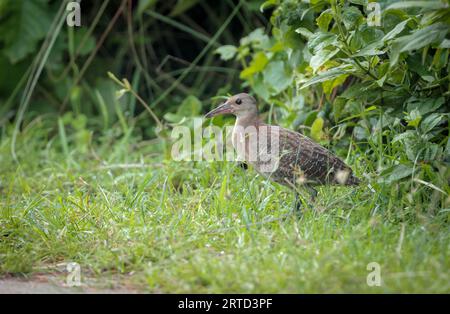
x=305 y=161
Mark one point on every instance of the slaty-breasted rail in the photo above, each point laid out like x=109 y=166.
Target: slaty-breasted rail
x=284 y=156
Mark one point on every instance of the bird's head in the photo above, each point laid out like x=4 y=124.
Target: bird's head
x=240 y=105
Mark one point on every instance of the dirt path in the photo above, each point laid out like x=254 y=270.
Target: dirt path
x=50 y=284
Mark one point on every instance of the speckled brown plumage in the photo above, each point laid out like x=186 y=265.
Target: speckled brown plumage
x=301 y=161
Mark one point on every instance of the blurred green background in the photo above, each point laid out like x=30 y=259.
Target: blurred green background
x=375 y=94
x=314 y=66
x=157 y=45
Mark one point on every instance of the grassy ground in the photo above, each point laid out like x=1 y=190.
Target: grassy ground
x=121 y=210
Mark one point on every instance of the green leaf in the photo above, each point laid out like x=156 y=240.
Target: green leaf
x=440 y=59
x=421 y=38
x=402 y=136
x=424 y=106
x=414 y=118
x=371 y=50
x=259 y=87
x=27 y=23
x=268 y=4
x=258 y=64
x=257 y=38
x=277 y=76
x=352 y=17
x=190 y=107
x=321 y=57
x=429 y=4
x=400 y=172
x=445 y=44
x=317 y=129
x=395 y=31
x=430 y=122
x=321 y=40
x=431 y=151
x=324 y=19
x=328 y=75
x=226 y=52
x=304 y=32
x=310 y=118
x=329 y=85
x=172 y=117
x=370 y=34
x=434 y=33
x=290 y=39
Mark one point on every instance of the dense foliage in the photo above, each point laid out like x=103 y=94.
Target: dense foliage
x=164 y=48
x=353 y=79
x=380 y=82
x=86 y=115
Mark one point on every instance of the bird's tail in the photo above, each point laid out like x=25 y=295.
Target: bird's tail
x=352 y=180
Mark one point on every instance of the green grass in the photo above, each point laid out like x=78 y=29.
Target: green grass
x=120 y=209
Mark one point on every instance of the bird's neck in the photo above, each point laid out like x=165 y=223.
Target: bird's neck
x=248 y=120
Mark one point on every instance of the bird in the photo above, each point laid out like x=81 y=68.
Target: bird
x=284 y=156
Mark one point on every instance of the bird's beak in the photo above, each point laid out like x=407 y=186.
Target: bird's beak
x=222 y=109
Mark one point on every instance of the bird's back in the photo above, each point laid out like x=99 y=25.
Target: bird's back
x=302 y=161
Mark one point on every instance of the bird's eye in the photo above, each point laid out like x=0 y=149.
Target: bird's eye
x=238 y=101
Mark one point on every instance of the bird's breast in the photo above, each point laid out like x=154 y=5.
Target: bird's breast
x=257 y=145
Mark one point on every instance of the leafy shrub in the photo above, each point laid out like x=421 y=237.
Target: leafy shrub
x=326 y=65
x=164 y=48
